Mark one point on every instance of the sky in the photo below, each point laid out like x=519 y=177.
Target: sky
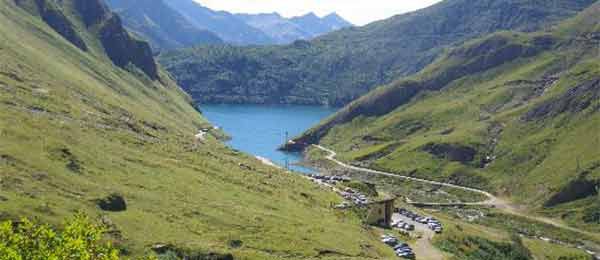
x=358 y=12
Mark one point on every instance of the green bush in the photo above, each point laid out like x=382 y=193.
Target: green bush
x=80 y=239
x=591 y=215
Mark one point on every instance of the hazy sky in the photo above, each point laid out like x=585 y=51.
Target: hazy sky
x=359 y=12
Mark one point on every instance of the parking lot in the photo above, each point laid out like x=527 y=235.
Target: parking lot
x=423 y=247
x=401 y=248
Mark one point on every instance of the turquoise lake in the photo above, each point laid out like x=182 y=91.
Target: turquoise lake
x=259 y=130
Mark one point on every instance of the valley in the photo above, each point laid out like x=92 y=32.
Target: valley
x=167 y=130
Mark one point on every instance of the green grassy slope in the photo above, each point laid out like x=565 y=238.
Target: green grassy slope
x=344 y=65
x=74 y=128
x=512 y=113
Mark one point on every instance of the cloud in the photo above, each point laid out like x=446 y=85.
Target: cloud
x=359 y=12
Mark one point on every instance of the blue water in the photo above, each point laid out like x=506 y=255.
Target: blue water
x=260 y=130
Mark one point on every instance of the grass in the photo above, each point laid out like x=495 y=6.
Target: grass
x=583 y=214
x=480 y=238
x=415 y=191
x=543 y=250
x=532 y=159
x=344 y=65
x=75 y=128
x=489 y=111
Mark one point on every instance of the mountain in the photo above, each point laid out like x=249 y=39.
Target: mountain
x=89 y=123
x=318 y=26
x=513 y=113
x=339 y=67
x=184 y=23
x=226 y=25
x=280 y=29
x=335 y=22
x=162 y=26
x=284 y=30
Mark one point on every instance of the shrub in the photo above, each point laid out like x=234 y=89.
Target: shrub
x=79 y=239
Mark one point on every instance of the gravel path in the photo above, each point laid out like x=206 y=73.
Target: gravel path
x=423 y=247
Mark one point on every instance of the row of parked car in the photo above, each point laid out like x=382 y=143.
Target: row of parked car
x=433 y=224
x=333 y=180
x=355 y=196
x=402 y=249
x=352 y=197
x=400 y=224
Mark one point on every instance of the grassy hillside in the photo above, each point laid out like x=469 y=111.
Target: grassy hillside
x=76 y=129
x=513 y=113
x=339 y=67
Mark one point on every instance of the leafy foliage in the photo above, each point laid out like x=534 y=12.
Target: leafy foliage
x=592 y=214
x=80 y=239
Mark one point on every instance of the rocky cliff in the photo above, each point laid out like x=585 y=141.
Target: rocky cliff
x=105 y=27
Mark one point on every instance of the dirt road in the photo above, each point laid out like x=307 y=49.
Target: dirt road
x=423 y=247
x=492 y=200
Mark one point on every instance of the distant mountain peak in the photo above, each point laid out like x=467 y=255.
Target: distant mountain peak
x=333 y=15
x=310 y=15
x=336 y=20
x=318 y=26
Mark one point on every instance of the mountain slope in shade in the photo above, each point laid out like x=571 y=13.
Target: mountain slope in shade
x=162 y=26
x=226 y=25
x=110 y=39
x=76 y=131
x=338 y=67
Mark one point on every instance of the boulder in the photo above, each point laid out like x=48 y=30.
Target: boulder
x=113 y=202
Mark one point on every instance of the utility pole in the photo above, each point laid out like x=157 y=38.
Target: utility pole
x=287 y=163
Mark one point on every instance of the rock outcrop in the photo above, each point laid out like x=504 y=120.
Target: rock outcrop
x=101 y=24
x=575 y=190
x=575 y=100
x=92 y=11
x=57 y=21
x=453 y=153
x=122 y=49
x=113 y=202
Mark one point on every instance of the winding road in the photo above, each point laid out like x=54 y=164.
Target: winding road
x=492 y=200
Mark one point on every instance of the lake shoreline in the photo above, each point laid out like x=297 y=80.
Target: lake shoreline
x=261 y=130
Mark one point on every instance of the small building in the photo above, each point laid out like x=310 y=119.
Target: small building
x=380 y=212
